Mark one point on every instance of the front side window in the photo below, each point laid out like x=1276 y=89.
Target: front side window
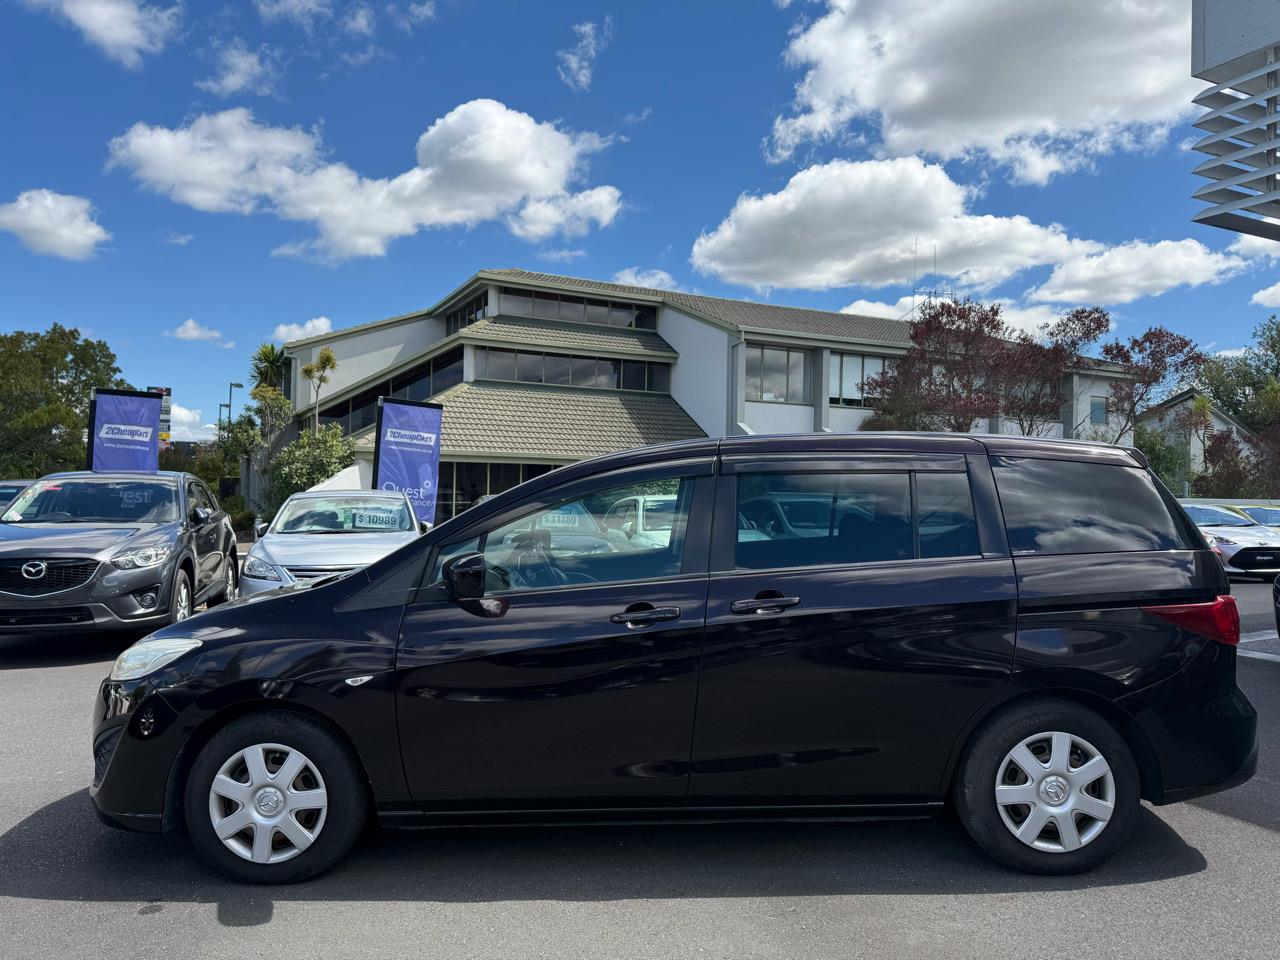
x=335 y=515
x=95 y=500
x=1067 y=506
x=777 y=375
x=595 y=538
x=806 y=519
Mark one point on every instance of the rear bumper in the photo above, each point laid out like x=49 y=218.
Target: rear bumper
x=1200 y=728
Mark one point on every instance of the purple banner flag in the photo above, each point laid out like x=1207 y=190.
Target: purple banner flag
x=124 y=431
x=406 y=454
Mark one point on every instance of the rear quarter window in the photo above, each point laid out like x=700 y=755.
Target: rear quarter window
x=1067 y=506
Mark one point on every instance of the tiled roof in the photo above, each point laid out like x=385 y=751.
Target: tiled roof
x=743 y=314
x=555 y=335
x=555 y=423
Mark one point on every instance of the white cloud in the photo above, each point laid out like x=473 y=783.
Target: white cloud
x=56 y=224
x=563 y=255
x=189 y=329
x=1254 y=248
x=1032 y=85
x=1267 y=296
x=359 y=21
x=1232 y=352
x=878 y=308
x=638 y=277
x=480 y=162
x=122 y=29
x=302 y=12
x=185 y=424
x=180 y=239
x=1136 y=269
x=577 y=64
x=284 y=332
x=411 y=15
x=1029 y=317
x=874 y=222
x=241 y=70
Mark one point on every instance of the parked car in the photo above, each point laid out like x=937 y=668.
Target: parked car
x=325 y=533
x=10 y=489
x=1062 y=647
x=101 y=550
x=648 y=517
x=1247 y=548
x=1266 y=515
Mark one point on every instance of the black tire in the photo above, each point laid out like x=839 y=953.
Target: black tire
x=344 y=785
x=974 y=792
x=229 y=591
x=181 y=580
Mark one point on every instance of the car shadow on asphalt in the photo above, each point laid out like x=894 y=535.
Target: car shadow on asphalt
x=62 y=853
x=61 y=649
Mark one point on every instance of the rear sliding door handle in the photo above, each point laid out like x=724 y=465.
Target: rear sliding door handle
x=764 y=606
x=643 y=616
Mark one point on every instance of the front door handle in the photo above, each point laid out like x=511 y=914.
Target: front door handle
x=642 y=615
x=764 y=606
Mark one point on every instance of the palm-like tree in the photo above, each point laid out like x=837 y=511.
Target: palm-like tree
x=317 y=372
x=267 y=366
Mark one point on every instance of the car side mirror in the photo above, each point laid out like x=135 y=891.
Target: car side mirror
x=260 y=529
x=464 y=576
x=201 y=515
x=424 y=526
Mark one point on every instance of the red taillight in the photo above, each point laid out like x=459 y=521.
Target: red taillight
x=1218 y=620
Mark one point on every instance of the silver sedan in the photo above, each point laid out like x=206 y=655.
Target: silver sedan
x=324 y=532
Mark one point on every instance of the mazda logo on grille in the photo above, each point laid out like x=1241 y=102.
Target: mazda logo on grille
x=35 y=569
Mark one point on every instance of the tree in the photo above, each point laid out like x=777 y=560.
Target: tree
x=266 y=367
x=1246 y=384
x=1148 y=364
x=945 y=380
x=311 y=458
x=1033 y=369
x=317 y=374
x=1228 y=471
x=46 y=384
x=1168 y=458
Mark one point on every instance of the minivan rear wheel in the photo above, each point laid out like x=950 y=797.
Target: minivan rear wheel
x=1048 y=787
x=274 y=797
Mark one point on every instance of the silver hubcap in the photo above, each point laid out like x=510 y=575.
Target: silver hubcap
x=183 y=609
x=1055 y=792
x=267 y=803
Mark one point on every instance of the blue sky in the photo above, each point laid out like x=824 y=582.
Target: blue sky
x=182 y=180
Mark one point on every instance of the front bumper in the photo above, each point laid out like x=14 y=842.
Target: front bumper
x=136 y=741
x=251 y=587
x=110 y=600
x=1251 y=560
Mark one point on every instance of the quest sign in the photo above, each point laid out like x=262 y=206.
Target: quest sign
x=406 y=454
x=124 y=431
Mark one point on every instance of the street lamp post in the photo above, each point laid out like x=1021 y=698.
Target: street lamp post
x=230 y=388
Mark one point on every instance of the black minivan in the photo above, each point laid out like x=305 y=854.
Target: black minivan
x=837 y=625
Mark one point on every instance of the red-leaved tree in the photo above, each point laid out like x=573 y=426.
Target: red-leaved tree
x=1147 y=365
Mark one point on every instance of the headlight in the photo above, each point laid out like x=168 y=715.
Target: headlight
x=1222 y=540
x=148 y=656
x=258 y=569
x=148 y=556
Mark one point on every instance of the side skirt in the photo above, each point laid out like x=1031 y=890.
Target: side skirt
x=625 y=816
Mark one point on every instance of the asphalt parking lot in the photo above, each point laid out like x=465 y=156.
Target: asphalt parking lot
x=1196 y=880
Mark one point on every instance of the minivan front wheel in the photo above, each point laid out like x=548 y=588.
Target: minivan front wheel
x=274 y=798
x=1048 y=787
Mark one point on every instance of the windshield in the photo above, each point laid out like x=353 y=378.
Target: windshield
x=92 y=499
x=343 y=515
x=1217 y=517
x=659 y=514
x=1267 y=515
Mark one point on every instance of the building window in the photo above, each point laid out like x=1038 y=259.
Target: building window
x=1098 y=410
x=461 y=484
x=477 y=308
x=777 y=375
x=419 y=383
x=563 y=306
x=848 y=374
x=525 y=366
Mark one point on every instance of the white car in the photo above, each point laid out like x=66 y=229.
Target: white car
x=325 y=532
x=1247 y=548
x=644 y=521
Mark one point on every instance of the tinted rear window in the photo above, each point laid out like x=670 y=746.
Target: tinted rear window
x=1065 y=506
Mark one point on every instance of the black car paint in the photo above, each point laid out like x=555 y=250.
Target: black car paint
x=201 y=543
x=857 y=700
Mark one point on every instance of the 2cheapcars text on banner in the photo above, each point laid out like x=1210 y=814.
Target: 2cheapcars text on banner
x=124 y=431
x=407 y=452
